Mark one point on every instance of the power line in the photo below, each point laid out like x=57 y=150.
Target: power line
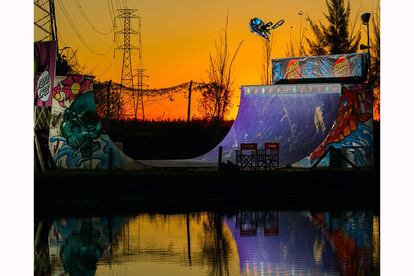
x=113 y=19
x=107 y=69
x=118 y=7
x=154 y=92
x=61 y=39
x=88 y=21
x=75 y=30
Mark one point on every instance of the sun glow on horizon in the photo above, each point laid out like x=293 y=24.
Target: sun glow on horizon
x=178 y=37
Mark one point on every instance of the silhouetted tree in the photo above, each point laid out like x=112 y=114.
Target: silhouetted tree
x=290 y=47
x=335 y=37
x=116 y=108
x=375 y=49
x=215 y=245
x=70 y=63
x=62 y=66
x=267 y=48
x=216 y=97
x=375 y=63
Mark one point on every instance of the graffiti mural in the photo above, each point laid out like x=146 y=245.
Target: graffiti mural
x=67 y=90
x=343 y=68
x=76 y=138
x=44 y=72
x=353 y=127
x=81 y=125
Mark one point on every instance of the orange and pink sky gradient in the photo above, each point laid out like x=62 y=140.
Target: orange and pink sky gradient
x=179 y=35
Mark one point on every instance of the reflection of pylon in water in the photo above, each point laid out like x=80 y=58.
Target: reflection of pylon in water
x=126 y=74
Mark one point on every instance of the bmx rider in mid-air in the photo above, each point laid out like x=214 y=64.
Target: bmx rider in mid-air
x=263 y=29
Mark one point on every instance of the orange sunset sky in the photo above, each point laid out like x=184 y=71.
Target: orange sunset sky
x=178 y=35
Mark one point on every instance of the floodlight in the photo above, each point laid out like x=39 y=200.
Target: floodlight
x=365 y=18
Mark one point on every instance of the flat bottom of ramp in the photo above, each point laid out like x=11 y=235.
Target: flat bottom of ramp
x=179 y=163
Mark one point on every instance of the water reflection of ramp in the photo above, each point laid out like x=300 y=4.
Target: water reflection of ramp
x=296 y=116
x=296 y=248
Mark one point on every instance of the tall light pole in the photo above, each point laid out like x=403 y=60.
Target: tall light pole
x=300 y=35
x=365 y=21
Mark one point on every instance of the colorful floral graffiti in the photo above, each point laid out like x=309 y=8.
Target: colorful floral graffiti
x=76 y=138
x=353 y=126
x=67 y=90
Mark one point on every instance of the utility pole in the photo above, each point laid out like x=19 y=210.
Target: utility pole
x=189 y=101
x=108 y=105
x=126 y=74
x=301 y=34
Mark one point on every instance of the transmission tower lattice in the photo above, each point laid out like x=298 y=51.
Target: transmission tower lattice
x=45 y=19
x=45 y=30
x=126 y=75
x=140 y=72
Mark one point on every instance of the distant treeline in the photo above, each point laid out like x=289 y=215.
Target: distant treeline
x=166 y=139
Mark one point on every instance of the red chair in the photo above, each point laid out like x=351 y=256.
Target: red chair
x=246 y=157
x=271 y=155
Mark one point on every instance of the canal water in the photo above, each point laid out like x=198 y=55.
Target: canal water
x=276 y=242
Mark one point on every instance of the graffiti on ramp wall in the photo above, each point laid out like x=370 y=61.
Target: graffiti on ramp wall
x=297 y=116
x=76 y=138
x=353 y=127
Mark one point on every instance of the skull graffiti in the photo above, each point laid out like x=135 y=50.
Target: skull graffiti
x=81 y=125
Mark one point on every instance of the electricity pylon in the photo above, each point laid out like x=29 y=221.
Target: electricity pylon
x=126 y=74
x=45 y=19
x=140 y=73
